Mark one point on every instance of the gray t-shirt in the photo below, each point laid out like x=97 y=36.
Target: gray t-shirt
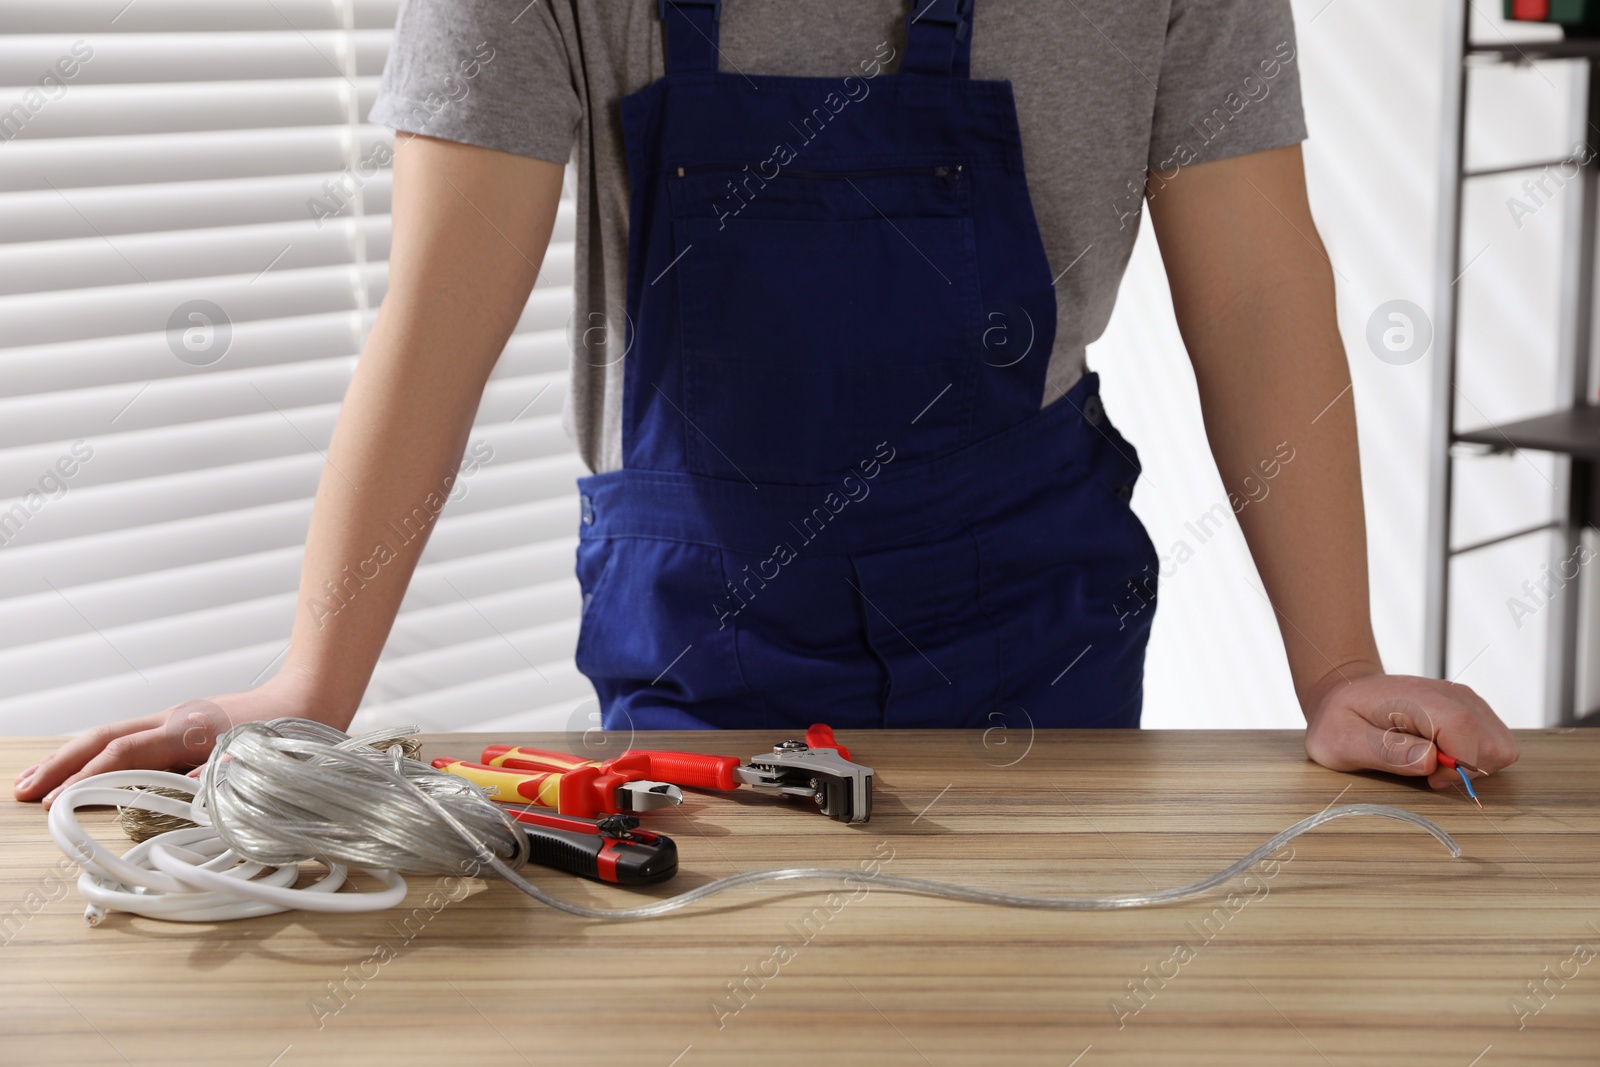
x=1106 y=91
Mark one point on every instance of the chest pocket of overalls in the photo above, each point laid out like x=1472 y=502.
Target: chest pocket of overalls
x=822 y=310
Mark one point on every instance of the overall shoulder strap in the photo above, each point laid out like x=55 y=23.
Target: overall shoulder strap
x=690 y=27
x=939 y=38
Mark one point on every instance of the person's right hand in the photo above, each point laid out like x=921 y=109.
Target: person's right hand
x=179 y=738
x=1360 y=718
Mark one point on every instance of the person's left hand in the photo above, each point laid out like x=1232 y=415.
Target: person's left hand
x=1359 y=718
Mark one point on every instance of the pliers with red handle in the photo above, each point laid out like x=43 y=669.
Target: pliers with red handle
x=817 y=768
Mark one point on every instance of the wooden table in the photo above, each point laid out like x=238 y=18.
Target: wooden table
x=1367 y=945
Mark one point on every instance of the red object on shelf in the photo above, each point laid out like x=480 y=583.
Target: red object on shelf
x=1532 y=10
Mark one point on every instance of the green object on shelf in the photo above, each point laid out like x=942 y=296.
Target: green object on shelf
x=1580 y=13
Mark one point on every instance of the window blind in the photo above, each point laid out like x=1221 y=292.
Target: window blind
x=193 y=240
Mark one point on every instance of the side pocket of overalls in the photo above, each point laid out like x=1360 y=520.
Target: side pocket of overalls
x=595 y=556
x=650 y=631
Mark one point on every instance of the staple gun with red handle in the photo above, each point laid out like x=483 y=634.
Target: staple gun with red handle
x=611 y=849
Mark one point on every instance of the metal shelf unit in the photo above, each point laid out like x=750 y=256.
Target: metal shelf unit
x=1571 y=432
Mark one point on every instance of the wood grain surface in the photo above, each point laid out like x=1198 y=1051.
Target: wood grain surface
x=1367 y=944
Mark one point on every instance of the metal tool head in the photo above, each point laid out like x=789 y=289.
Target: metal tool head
x=841 y=789
x=647 y=796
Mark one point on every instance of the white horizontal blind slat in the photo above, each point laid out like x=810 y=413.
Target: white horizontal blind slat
x=191 y=16
x=284 y=247
x=124 y=58
x=122 y=159
x=107 y=212
x=104 y=110
x=155 y=484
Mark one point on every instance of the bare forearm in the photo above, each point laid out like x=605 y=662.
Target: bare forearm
x=1275 y=392
x=1253 y=290
x=457 y=286
x=387 y=474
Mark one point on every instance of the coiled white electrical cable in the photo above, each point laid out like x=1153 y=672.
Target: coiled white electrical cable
x=278 y=793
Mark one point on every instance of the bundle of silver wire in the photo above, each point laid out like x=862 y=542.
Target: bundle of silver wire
x=291 y=789
x=141 y=824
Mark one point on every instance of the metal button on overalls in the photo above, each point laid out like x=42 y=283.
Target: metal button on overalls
x=832 y=506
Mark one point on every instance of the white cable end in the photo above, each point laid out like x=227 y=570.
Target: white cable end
x=94 y=914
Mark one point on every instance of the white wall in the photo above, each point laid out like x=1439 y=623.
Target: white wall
x=1371 y=76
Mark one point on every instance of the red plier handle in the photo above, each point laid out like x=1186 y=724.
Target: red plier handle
x=821 y=736
x=688 y=769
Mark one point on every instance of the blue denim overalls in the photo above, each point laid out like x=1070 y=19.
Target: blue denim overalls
x=840 y=499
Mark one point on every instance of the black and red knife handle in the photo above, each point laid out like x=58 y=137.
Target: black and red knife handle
x=578 y=847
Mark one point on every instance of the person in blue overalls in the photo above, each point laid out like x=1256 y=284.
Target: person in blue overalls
x=841 y=489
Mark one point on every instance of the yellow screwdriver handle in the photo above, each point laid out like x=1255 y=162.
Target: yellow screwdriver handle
x=506 y=786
